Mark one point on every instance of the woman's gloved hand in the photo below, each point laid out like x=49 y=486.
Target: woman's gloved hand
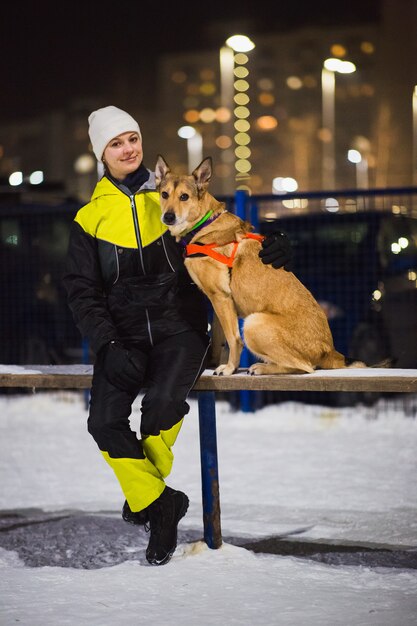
x=121 y=368
x=277 y=251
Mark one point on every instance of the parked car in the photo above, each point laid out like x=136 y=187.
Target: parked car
x=362 y=268
x=35 y=321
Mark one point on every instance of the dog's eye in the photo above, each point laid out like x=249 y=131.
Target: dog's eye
x=184 y=197
x=165 y=195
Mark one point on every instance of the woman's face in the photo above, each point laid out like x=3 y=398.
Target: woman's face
x=123 y=155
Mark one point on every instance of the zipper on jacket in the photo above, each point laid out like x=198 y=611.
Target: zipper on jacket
x=139 y=242
x=166 y=254
x=137 y=232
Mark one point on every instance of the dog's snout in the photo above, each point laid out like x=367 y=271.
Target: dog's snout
x=169 y=218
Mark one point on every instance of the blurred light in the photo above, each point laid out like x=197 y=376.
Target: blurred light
x=395 y=248
x=242 y=139
x=362 y=143
x=295 y=203
x=337 y=65
x=243 y=165
x=266 y=99
x=243 y=152
x=240 y=43
x=192 y=116
x=241 y=72
x=223 y=142
x=325 y=135
x=347 y=67
x=208 y=89
x=85 y=164
x=289 y=184
x=281 y=185
x=403 y=241
x=338 y=50
x=15 y=179
x=367 y=47
x=223 y=115
x=277 y=185
x=331 y=205
x=186 y=132
x=267 y=122
x=241 y=112
x=241 y=58
x=242 y=125
x=36 y=178
x=207 y=115
x=293 y=82
x=241 y=85
x=412 y=275
x=377 y=294
x=241 y=98
x=354 y=156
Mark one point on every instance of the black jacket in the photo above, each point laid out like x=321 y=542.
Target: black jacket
x=125 y=275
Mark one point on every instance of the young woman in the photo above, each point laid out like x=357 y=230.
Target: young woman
x=132 y=297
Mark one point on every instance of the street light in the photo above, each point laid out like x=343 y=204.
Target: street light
x=234 y=84
x=361 y=166
x=328 y=82
x=415 y=136
x=194 y=146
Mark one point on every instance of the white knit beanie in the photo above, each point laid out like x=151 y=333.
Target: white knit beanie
x=107 y=123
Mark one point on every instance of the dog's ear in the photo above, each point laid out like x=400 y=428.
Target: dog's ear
x=202 y=173
x=161 y=170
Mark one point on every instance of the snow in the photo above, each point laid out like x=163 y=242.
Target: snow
x=291 y=475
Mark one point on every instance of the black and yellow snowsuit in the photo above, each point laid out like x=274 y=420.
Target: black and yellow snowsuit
x=126 y=281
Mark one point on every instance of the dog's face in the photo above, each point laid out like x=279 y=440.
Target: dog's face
x=181 y=196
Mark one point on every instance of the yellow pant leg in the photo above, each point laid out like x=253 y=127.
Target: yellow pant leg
x=140 y=480
x=158 y=448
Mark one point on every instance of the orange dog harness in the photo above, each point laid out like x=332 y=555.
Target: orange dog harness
x=208 y=249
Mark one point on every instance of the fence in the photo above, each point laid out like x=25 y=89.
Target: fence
x=356 y=250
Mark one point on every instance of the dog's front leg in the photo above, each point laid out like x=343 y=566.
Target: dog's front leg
x=226 y=313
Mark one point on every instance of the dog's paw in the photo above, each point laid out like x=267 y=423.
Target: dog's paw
x=257 y=369
x=224 y=370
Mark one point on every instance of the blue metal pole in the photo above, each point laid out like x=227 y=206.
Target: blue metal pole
x=209 y=469
x=245 y=359
x=254 y=215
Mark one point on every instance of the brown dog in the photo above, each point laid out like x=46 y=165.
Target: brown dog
x=284 y=325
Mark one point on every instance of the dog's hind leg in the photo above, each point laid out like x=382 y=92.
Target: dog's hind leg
x=264 y=337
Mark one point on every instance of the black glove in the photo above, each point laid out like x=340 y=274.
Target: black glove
x=277 y=251
x=121 y=368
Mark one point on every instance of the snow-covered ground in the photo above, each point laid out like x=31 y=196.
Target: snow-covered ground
x=296 y=475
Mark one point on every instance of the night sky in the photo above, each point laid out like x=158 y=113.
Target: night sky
x=52 y=52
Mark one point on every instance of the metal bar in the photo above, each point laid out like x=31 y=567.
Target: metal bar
x=245 y=397
x=209 y=469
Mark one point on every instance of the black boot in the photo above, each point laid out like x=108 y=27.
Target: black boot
x=164 y=515
x=138 y=518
